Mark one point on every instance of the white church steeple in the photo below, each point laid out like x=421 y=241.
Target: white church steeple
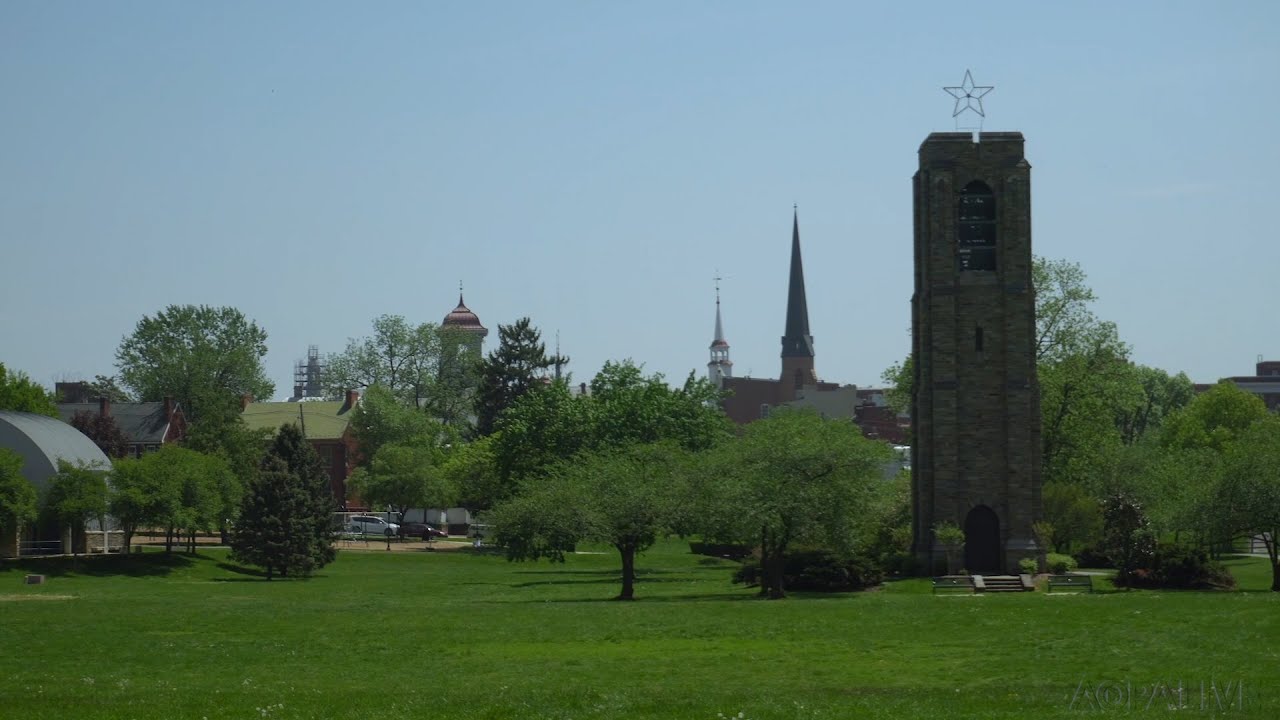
x=721 y=366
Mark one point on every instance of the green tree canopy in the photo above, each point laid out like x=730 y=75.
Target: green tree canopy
x=18 y=498
x=1093 y=400
x=406 y=476
x=625 y=407
x=625 y=498
x=77 y=494
x=629 y=407
x=405 y=360
x=382 y=419
x=792 y=478
x=1249 y=496
x=19 y=392
x=540 y=430
x=205 y=357
x=1214 y=419
x=178 y=489
x=519 y=365
x=286 y=516
x=473 y=469
x=242 y=448
x=107 y=386
x=1162 y=394
x=103 y=431
x=141 y=497
x=1074 y=516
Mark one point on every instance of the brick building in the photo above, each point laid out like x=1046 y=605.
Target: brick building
x=324 y=424
x=1265 y=384
x=798 y=385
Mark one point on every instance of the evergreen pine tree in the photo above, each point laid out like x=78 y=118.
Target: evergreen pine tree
x=518 y=365
x=286 y=515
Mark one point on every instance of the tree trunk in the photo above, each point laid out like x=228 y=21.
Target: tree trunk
x=774 y=563
x=1272 y=542
x=127 y=542
x=764 y=554
x=628 y=552
x=269 y=573
x=168 y=540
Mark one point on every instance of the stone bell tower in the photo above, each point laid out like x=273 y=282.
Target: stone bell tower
x=976 y=409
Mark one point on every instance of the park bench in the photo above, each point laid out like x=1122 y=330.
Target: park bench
x=1083 y=583
x=956 y=583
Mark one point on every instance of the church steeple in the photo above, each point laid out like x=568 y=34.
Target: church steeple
x=797 y=343
x=720 y=366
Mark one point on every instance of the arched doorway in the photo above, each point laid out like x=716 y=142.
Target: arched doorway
x=982 y=541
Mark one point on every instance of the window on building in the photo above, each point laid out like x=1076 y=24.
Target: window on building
x=976 y=229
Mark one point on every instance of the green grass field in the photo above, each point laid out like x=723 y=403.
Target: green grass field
x=462 y=635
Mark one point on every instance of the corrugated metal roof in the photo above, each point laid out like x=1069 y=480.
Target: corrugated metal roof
x=42 y=441
x=322 y=420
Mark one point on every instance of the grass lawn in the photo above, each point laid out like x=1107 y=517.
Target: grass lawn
x=462 y=635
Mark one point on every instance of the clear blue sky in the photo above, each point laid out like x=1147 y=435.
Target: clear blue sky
x=592 y=165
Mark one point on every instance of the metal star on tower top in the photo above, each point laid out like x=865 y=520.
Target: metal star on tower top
x=968 y=94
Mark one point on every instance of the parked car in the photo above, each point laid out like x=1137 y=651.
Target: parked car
x=421 y=530
x=373 y=525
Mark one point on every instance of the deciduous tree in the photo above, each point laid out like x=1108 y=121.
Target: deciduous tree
x=106 y=386
x=104 y=431
x=540 y=430
x=19 y=392
x=141 y=496
x=1249 y=496
x=381 y=419
x=77 y=495
x=623 y=497
x=629 y=407
x=1162 y=394
x=792 y=478
x=1127 y=537
x=1214 y=419
x=203 y=356
x=400 y=357
x=406 y=476
x=1074 y=514
x=473 y=470
x=625 y=407
x=18 y=499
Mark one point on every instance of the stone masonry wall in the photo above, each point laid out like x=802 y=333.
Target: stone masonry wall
x=976 y=412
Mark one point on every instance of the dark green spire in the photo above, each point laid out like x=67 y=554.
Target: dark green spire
x=797 y=342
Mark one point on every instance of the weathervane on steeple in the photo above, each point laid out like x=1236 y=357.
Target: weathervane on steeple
x=968 y=97
x=720 y=366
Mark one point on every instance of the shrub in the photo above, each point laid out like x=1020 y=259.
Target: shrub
x=950 y=534
x=1175 y=567
x=1028 y=566
x=818 y=571
x=1060 y=564
x=1092 y=557
x=1127 y=538
x=720 y=550
x=903 y=564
